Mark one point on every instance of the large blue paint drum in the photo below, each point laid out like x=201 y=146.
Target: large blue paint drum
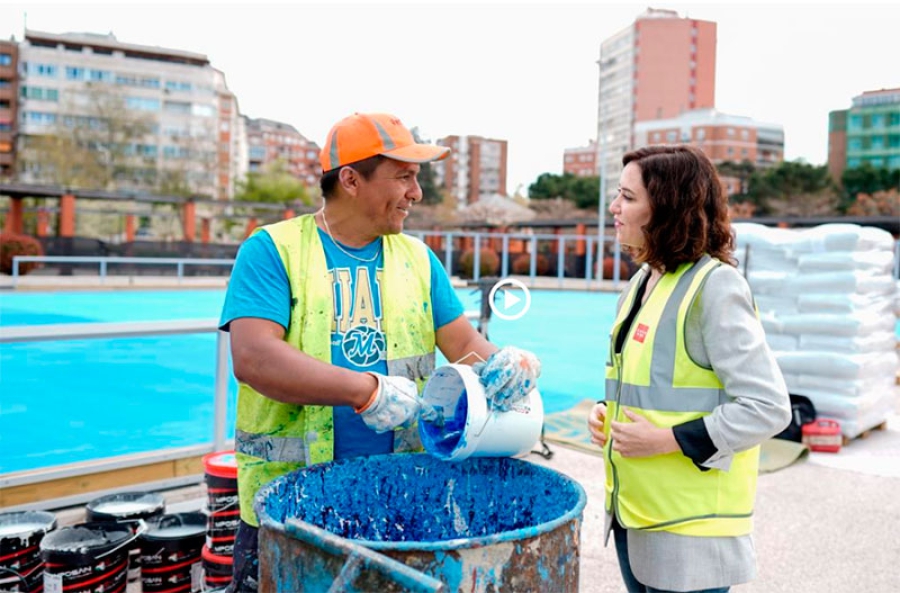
x=412 y=522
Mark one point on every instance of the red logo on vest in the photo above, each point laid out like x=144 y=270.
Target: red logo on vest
x=640 y=333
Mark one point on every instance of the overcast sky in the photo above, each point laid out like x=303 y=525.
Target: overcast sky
x=522 y=72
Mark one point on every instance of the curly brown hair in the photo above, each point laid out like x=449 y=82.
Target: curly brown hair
x=688 y=207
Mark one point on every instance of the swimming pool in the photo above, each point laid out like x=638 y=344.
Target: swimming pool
x=77 y=400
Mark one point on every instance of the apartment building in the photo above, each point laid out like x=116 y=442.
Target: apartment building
x=581 y=161
x=476 y=168
x=866 y=133
x=269 y=141
x=722 y=137
x=659 y=67
x=84 y=81
x=9 y=100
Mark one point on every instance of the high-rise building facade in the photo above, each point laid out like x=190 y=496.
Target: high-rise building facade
x=476 y=168
x=85 y=81
x=269 y=141
x=9 y=100
x=659 y=67
x=720 y=136
x=581 y=161
x=867 y=133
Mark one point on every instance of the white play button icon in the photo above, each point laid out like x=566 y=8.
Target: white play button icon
x=516 y=299
x=509 y=299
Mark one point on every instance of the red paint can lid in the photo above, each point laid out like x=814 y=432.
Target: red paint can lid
x=221 y=464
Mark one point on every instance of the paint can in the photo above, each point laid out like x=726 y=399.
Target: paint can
x=467 y=427
x=88 y=557
x=216 y=570
x=170 y=553
x=476 y=525
x=21 y=567
x=128 y=508
x=223 y=504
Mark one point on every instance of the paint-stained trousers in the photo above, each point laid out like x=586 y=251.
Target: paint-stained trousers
x=245 y=575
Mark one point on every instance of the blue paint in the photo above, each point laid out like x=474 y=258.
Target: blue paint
x=442 y=437
x=415 y=501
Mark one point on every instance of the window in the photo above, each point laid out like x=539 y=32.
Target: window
x=5 y=146
x=854 y=122
x=46 y=70
x=177 y=85
x=5 y=83
x=671 y=136
x=854 y=144
x=99 y=75
x=177 y=107
x=5 y=59
x=75 y=73
x=878 y=142
x=142 y=104
x=202 y=110
x=877 y=120
x=40 y=118
x=39 y=93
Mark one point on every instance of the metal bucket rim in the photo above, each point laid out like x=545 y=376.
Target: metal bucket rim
x=448 y=544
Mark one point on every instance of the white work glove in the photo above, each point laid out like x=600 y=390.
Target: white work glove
x=396 y=404
x=508 y=376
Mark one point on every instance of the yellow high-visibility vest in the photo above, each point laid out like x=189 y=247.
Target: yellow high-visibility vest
x=273 y=438
x=654 y=376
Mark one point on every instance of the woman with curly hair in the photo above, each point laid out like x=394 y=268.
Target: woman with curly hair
x=692 y=389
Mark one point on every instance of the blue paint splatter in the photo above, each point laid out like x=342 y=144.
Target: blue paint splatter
x=418 y=498
x=441 y=437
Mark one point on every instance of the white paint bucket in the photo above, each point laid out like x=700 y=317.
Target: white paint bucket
x=468 y=427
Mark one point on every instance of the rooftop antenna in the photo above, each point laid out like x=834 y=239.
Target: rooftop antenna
x=24 y=22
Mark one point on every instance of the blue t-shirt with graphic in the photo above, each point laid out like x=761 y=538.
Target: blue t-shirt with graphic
x=259 y=287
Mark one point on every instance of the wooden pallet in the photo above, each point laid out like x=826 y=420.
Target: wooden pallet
x=864 y=434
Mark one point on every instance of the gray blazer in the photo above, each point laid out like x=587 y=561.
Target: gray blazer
x=723 y=333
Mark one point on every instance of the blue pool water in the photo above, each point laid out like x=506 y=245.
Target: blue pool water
x=77 y=400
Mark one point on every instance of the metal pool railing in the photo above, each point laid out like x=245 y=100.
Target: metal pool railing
x=48 y=497
x=105 y=262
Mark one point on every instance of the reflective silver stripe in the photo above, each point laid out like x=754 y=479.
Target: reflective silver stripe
x=271 y=448
x=385 y=137
x=418 y=367
x=663 y=371
x=668 y=399
x=333 y=151
x=662 y=396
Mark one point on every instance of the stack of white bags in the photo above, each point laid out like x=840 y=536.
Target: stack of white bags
x=828 y=301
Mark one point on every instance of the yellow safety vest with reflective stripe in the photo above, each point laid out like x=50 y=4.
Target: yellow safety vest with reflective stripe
x=654 y=376
x=273 y=438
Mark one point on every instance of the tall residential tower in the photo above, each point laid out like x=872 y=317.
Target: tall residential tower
x=659 y=67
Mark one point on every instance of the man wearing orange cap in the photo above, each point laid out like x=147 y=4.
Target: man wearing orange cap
x=334 y=319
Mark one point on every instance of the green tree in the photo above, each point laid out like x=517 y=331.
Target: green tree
x=274 y=184
x=867 y=179
x=741 y=171
x=583 y=191
x=431 y=192
x=793 y=188
x=96 y=141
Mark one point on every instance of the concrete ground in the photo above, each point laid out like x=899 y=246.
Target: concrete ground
x=829 y=523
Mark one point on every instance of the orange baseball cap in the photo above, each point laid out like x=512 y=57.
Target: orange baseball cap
x=364 y=135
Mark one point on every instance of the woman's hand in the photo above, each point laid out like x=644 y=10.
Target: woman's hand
x=595 y=424
x=640 y=437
